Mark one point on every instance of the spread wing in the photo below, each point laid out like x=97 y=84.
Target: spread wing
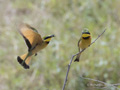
x=30 y=35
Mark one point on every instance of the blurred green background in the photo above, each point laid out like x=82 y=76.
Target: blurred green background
x=65 y=19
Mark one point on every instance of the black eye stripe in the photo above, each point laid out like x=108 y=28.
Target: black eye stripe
x=85 y=33
x=47 y=37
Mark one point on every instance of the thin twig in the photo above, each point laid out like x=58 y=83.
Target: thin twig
x=107 y=84
x=74 y=56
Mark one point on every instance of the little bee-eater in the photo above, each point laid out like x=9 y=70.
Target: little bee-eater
x=34 y=42
x=83 y=43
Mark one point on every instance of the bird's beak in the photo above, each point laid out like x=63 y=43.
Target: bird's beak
x=52 y=36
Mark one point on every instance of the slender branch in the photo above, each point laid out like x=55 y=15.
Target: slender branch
x=74 y=56
x=107 y=84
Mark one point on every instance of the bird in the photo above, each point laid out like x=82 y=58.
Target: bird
x=34 y=42
x=84 y=42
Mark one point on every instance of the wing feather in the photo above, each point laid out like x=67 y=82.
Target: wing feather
x=31 y=36
x=79 y=44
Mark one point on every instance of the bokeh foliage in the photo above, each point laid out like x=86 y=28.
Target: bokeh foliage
x=65 y=19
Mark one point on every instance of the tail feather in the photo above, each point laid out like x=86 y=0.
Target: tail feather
x=77 y=58
x=25 y=64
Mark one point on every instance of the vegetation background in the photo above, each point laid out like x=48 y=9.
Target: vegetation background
x=65 y=19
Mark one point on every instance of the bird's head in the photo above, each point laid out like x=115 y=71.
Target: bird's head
x=85 y=33
x=48 y=38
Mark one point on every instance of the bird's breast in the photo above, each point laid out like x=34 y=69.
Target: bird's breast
x=39 y=47
x=85 y=43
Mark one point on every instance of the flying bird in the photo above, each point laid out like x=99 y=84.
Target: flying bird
x=34 y=43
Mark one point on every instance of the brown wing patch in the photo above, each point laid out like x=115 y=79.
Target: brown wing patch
x=79 y=44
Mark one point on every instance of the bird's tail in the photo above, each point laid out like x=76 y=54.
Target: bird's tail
x=77 y=58
x=21 y=58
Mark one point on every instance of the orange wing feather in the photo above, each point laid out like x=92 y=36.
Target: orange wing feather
x=32 y=38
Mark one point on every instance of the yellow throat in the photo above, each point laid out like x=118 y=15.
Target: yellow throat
x=85 y=35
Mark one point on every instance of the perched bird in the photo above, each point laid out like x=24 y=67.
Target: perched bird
x=34 y=42
x=84 y=42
